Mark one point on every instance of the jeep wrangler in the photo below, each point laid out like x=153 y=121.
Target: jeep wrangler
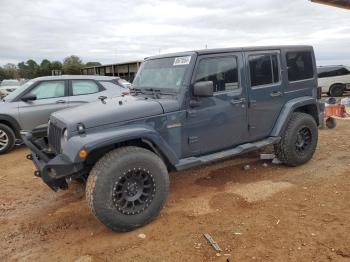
x=185 y=109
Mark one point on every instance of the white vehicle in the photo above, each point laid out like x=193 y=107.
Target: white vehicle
x=334 y=80
x=8 y=85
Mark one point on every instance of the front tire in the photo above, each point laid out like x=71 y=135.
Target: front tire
x=127 y=188
x=299 y=141
x=7 y=139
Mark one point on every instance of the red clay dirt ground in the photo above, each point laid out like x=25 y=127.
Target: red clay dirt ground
x=272 y=213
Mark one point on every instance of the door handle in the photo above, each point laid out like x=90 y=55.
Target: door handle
x=61 y=102
x=275 y=94
x=237 y=101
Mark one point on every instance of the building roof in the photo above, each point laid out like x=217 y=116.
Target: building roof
x=336 y=3
x=124 y=63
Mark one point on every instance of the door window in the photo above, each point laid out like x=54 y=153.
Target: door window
x=222 y=71
x=49 y=89
x=264 y=70
x=84 y=87
x=331 y=72
x=299 y=66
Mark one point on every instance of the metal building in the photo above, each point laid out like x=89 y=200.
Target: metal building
x=126 y=70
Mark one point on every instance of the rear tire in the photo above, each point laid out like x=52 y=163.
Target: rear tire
x=127 y=188
x=299 y=140
x=336 y=90
x=7 y=139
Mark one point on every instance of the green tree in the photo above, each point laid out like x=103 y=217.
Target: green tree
x=91 y=64
x=56 y=65
x=11 y=71
x=72 y=65
x=2 y=74
x=45 y=68
x=29 y=69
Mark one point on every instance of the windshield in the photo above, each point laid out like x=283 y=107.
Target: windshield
x=10 y=83
x=163 y=73
x=19 y=90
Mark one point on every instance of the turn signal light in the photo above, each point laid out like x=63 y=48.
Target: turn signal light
x=83 y=153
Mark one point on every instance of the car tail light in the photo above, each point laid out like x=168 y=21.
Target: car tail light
x=125 y=93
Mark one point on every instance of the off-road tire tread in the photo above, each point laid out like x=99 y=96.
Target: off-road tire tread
x=282 y=149
x=103 y=164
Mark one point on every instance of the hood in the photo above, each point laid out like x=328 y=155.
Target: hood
x=112 y=111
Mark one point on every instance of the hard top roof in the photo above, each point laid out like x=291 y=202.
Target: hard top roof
x=233 y=49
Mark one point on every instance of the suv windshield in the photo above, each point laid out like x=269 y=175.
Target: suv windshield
x=162 y=74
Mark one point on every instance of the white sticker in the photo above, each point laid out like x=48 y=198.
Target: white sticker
x=184 y=60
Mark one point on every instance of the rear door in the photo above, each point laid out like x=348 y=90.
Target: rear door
x=51 y=96
x=265 y=92
x=83 y=91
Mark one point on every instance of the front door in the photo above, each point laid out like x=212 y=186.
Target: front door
x=265 y=92
x=51 y=96
x=218 y=122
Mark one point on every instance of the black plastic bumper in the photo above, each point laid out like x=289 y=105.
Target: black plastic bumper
x=52 y=169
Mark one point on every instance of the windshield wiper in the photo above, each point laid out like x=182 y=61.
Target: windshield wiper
x=155 y=92
x=135 y=91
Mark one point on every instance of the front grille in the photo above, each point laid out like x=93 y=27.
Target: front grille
x=55 y=134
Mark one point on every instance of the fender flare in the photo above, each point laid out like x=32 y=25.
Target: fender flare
x=287 y=111
x=108 y=137
x=13 y=122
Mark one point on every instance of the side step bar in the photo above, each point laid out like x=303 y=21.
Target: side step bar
x=244 y=148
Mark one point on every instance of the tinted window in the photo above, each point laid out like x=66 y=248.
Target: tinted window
x=84 y=87
x=49 y=89
x=299 y=66
x=263 y=69
x=111 y=85
x=330 y=72
x=221 y=70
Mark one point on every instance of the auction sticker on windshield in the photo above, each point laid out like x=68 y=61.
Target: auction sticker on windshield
x=184 y=60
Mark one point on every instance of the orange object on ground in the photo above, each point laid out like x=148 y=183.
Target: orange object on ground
x=334 y=110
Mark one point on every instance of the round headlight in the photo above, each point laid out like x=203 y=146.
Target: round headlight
x=65 y=135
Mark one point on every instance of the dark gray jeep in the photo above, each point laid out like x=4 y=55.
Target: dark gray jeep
x=186 y=109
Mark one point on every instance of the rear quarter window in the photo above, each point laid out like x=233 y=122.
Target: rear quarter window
x=299 y=65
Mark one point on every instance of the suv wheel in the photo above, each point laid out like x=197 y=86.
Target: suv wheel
x=127 y=188
x=299 y=140
x=336 y=90
x=7 y=139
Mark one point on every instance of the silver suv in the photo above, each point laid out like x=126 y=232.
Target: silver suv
x=31 y=104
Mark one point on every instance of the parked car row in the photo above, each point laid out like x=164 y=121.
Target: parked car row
x=31 y=104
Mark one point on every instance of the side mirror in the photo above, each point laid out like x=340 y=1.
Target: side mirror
x=28 y=97
x=203 y=89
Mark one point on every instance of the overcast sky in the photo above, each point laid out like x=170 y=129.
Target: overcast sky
x=116 y=31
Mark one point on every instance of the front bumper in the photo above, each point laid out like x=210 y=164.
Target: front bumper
x=53 y=169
